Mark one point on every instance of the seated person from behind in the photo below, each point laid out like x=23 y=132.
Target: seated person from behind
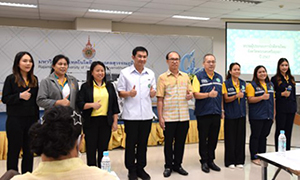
x=57 y=139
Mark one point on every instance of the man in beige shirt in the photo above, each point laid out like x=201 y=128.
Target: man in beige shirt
x=173 y=92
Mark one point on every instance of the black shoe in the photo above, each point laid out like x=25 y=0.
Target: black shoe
x=167 y=172
x=213 y=166
x=132 y=176
x=205 y=167
x=181 y=171
x=141 y=173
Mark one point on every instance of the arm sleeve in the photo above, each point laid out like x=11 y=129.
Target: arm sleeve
x=160 y=87
x=196 y=84
x=224 y=89
x=121 y=82
x=43 y=99
x=80 y=102
x=250 y=90
x=190 y=88
x=276 y=89
x=116 y=109
x=8 y=97
x=153 y=82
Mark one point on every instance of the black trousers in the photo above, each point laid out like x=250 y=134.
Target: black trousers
x=137 y=134
x=17 y=135
x=97 y=137
x=173 y=154
x=234 y=137
x=208 y=131
x=260 y=129
x=284 y=121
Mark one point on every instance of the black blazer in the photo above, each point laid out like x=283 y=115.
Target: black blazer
x=86 y=95
x=284 y=104
x=15 y=106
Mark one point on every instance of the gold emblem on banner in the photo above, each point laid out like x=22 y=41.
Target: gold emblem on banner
x=89 y=52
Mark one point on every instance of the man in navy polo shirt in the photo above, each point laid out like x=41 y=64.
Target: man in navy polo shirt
x=207 y=88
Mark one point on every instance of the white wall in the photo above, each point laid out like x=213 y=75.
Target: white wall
x=218 y=35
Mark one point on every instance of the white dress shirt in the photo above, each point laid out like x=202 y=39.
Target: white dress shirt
x=140 y=106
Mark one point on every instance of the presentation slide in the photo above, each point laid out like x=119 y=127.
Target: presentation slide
x=252 y=44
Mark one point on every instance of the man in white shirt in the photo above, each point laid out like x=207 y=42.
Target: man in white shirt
x=137 y=86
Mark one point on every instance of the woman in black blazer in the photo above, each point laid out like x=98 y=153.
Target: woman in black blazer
x=98 y=102
x=19 y=94
x=286 y=105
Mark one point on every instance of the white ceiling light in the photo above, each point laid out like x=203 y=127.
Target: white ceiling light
x=18 y=5
x=109 y=11
x=190 y=17
x=244 y=1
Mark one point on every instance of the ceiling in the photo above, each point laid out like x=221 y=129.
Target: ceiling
x=158 y=12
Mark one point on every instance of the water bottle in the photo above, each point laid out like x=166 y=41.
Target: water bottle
x=281 y=142
x=105 y=162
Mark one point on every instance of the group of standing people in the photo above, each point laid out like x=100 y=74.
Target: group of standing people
x=23 y=96
x=269 y=101
x=97 y=102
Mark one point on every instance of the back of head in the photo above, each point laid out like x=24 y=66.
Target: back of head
x=57 y=133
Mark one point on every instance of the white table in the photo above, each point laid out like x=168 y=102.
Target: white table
x=290 y=162
x=114 y=173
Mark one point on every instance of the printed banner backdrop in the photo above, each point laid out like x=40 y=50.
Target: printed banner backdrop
x=82 y=48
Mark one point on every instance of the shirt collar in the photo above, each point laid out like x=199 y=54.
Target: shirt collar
x=210 y=77
x=170 y=73
x=57 y=76
x=95 y=84
x=235 y=85
x=132 y=69
x=50 y=167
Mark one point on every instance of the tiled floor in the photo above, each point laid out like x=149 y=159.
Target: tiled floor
x=192 y=165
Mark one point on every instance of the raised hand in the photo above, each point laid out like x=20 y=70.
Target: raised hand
x=25 y=94
x=65 y=101
x=286 y=93
x=152 y=92
x=132 y=92
x=213 y=93
x=265 y=96
x=96 y=105
x=240 y=94
x=189 y=95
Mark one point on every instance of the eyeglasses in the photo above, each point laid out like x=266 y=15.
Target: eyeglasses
x=174 y=59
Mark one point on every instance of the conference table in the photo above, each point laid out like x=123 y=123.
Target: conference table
x=289 y=161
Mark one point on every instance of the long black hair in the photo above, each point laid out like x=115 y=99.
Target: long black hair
x=91 y=77
x=230 y=69
x=278 y=73
x=17 y=72
x=255 y=78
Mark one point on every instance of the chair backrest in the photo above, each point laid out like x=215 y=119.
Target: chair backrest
x=9 y=174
